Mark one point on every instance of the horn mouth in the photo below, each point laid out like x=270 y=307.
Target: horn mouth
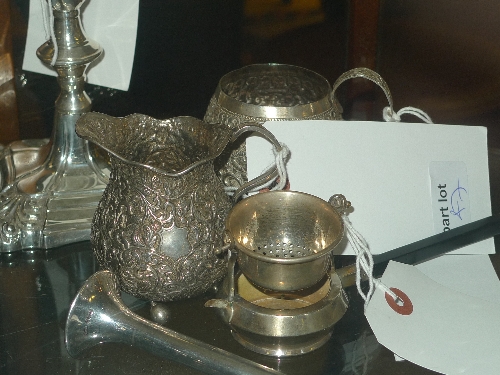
x=82 y=331
x=98 y=315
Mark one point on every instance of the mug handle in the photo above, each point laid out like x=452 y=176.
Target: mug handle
x=268 y=176
x=361 y=73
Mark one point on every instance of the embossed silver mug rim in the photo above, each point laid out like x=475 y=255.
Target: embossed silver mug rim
x=231 y=104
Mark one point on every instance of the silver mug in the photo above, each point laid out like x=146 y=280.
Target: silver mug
x=273 y=92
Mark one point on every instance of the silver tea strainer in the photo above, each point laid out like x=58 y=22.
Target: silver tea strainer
x=285 y=298
x=283 y=239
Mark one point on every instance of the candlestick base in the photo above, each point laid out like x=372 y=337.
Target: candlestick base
x=52 y=203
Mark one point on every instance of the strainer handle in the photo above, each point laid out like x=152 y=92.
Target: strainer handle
x=340 y=203
x=268 y=176
x=361 y=73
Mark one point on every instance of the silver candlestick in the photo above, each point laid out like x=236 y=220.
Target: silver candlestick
x=51 y=200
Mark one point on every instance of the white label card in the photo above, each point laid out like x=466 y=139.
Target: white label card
x=450 y=195
x=383 y=169
x=444 y=330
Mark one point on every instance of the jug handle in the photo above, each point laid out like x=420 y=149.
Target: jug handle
x=267 y=176
x=362 y=73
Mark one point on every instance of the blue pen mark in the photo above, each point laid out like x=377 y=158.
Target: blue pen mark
x=456 y=198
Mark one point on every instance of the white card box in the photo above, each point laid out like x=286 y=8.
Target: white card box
x=383 y=169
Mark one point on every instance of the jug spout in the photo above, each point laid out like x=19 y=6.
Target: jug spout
x=173 y=146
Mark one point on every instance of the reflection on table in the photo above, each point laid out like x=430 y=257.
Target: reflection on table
x=36 y=291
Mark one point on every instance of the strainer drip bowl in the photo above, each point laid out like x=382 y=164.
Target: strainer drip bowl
x=284 y=238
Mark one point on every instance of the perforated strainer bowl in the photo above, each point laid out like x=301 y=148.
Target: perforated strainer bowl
x=284 y=238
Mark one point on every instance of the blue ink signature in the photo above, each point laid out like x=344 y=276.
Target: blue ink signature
x=455 y=200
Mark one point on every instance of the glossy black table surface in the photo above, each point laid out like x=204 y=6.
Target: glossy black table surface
x=36 y=290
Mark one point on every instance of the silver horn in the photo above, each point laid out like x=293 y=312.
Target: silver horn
x=98 y=315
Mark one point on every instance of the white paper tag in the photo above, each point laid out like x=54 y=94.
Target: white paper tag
x=450 y=194
x=436 y=327
x=111 y=23
x=455 y=272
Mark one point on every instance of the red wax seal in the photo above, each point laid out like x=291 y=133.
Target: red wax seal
x=403 y=305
